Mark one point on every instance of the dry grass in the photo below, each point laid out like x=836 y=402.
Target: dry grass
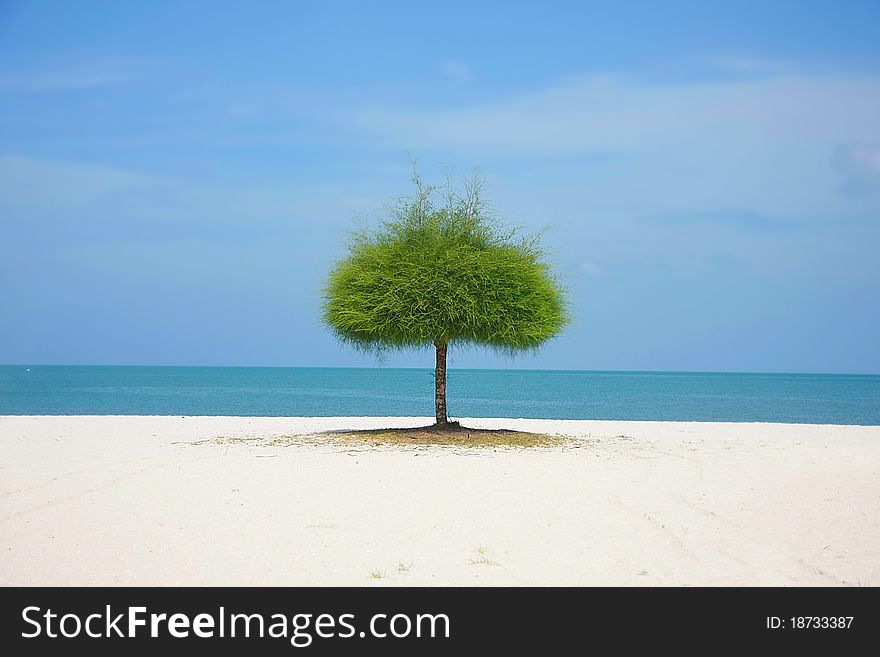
x=456 y=437
x=407 y=437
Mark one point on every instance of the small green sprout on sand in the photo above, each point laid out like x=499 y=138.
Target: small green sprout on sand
x=403 y=568
x=377 y=574
x=483 y=558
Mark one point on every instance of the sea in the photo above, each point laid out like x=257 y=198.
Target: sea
x=378 y=391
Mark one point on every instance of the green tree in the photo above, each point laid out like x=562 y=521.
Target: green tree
x=443 y=274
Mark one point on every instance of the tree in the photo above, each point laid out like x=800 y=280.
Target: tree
x=443 y=274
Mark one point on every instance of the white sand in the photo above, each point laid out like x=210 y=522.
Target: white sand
x=127 y=501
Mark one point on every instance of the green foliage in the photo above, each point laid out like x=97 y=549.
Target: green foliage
x=448 y=273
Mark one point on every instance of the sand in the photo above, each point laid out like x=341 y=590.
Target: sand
x=132 y=501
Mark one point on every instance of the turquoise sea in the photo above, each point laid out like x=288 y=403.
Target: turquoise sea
x=283 y=391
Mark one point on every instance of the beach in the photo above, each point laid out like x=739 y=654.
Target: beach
x=159 y=500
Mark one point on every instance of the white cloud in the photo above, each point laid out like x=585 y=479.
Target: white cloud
x=604 y=112
x=65 y=77
x=747 y=64
x=32 y=183
x=621 y=146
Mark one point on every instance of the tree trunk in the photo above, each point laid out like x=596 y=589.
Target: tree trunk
x=440 y=385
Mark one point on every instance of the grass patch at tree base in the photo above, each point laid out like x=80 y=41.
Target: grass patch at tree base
x=452 y=434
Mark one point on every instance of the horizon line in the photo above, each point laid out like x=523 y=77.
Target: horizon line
x=474 y=369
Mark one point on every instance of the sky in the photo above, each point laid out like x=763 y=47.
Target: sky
x=177 y=178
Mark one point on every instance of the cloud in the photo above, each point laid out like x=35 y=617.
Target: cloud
x=69 y=202
x=611 y=112
x=750 y=219
x=629 y=146
x=860 y=165
x=66 y=78
x=747 y=64
x=32 y=183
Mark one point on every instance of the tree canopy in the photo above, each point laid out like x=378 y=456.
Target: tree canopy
x=444 y=272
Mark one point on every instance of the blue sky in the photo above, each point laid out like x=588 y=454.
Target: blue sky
x=177 y=178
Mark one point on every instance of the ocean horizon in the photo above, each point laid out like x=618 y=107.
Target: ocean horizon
x=377 y=391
